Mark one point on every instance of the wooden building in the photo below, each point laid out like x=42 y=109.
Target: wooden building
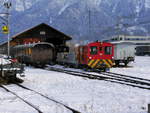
x=39 y=33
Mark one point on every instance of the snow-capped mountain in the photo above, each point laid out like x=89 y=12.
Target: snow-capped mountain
x=83 y=19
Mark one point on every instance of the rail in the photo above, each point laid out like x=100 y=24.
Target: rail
x=108 y=76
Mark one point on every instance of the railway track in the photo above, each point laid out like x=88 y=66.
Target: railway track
x=42 y=95
x=30 y=104
x=127 y=78
x=109 y=76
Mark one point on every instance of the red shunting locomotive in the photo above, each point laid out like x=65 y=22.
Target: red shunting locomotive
x=96 y=55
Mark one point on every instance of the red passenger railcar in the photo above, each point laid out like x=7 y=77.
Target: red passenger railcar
x=95 y=55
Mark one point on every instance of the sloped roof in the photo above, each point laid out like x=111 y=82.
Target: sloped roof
x=38 y=26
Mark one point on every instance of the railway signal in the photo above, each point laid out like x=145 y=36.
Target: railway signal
x=5 y=29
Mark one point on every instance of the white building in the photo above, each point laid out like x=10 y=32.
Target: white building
x=142 y=43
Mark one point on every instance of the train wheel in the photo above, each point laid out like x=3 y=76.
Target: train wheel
x=117 y=63
x=3 y=81
x=76 y=66
x=27 y=64
x=86 y=69
x=125 y=63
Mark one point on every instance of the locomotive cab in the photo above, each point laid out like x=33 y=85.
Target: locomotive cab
x=100 y=55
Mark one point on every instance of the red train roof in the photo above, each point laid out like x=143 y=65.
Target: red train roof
x=101 y=43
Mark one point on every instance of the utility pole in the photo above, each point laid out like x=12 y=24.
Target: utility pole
x=88 y=10
x=89 y=15
x=7 y=27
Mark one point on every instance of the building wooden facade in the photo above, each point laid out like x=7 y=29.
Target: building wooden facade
x=39 y=33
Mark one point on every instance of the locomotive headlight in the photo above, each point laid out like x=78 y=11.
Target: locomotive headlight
x=112 y=57
x=90 y=57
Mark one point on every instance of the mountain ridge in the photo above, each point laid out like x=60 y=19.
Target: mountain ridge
x=83 y=20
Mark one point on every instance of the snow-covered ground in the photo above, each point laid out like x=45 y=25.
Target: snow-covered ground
x=140 y=68
x=84 y=95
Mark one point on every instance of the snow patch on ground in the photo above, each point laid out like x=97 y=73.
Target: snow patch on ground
x=84 y=95
x=139 y=68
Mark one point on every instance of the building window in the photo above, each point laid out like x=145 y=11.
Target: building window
x=42 y=33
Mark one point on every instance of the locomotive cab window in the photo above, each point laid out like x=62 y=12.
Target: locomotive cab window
x=93 y=50
x=108 y=50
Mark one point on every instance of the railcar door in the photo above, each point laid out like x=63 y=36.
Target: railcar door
x=108 y=54
x=93 y=54
x=83 y=54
